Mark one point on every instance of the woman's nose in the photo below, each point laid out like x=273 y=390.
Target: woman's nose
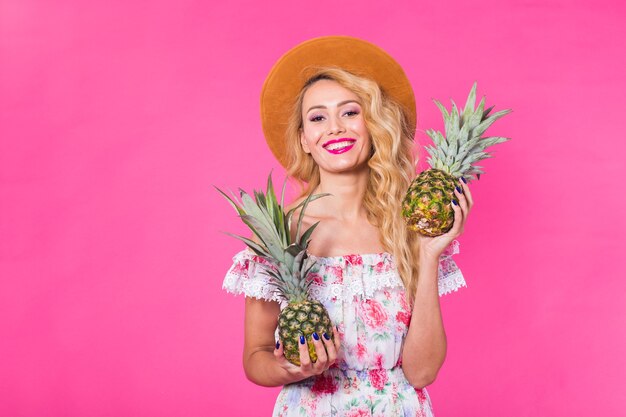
x=335 y=126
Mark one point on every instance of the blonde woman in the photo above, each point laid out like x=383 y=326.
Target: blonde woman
x=344 y=124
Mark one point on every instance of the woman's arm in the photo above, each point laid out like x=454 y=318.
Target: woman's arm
x=425 y=345
x=259 y=363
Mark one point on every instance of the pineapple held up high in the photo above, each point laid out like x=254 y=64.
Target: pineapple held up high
x=426 y=206
x=291 y=265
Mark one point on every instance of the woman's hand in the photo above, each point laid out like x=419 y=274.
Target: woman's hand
x=307 y=368
x=434 y=246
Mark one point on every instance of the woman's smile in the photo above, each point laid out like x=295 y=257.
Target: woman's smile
x=337 y=146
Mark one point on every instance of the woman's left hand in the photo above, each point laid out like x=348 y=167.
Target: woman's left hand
x=434 y=246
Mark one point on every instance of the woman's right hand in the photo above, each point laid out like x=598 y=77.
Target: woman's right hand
x=308 y=368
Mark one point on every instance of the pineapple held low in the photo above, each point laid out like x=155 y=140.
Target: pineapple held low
x=291 y=266
x=426 y=206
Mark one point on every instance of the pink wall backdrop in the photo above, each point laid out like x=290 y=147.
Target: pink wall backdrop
x=118 y=117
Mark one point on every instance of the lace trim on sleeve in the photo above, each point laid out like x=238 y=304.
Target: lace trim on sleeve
x=246 y=276
x=450 y=277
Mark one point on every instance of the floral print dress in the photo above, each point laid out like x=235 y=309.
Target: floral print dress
x=366 y=299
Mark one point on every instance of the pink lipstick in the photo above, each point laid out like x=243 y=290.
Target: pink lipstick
x=348 y=144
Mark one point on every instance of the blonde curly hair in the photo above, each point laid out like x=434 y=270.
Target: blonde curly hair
x=392 y=165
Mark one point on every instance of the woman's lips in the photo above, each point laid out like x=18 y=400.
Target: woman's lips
x=335 y=151
x=340 y=150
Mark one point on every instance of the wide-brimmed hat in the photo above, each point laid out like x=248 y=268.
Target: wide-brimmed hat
x=291 y=71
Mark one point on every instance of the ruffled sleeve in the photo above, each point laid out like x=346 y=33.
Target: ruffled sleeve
x=247 y=277
x=450 y=277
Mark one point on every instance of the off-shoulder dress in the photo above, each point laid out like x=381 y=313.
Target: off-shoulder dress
x=366 y=299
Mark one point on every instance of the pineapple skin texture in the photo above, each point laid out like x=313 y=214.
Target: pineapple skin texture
x=426 y=206
x=302 y=318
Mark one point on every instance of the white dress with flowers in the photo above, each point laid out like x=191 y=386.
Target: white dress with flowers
x=366 y=299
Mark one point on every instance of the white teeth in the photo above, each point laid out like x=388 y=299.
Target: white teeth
x=339 y=145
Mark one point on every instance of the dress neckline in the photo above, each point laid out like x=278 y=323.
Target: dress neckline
x=372 y=255
x=362 y=255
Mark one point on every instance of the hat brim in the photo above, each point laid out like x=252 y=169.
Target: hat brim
x=290 y=72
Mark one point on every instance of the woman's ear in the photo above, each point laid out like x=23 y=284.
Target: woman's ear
x=305 y=146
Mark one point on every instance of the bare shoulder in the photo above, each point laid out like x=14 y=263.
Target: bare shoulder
x=306 y=219
x=294 y=203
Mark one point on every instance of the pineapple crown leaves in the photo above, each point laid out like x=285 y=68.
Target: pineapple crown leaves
x=463 y=145
x=297 y=289
x=268 y=221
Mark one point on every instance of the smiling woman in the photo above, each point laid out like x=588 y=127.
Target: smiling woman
x=346 y=128
x=334 y=125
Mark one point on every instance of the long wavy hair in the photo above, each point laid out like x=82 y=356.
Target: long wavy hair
x=392 y=164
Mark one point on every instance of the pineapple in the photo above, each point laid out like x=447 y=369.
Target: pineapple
x=426 y=206
x=290 y=266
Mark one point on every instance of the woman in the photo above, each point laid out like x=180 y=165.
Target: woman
x=352 y=136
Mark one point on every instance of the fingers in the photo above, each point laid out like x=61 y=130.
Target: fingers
x=336 y=338
x=458 y=221
x=461 y=199
x=278 y=350
x=330 y=349
x=305 y=359
x=461 y=210
x=322 y=358
x=280 y=356
x=326 y=349
x=467 y=193
x=459 y=205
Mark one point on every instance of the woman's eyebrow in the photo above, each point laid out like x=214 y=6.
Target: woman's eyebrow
x=341 y=103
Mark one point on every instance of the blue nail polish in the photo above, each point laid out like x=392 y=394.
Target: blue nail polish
x=458 y=189
x=326 y=336
x=455 y=203
x=301 y=340
x=277 y=344
x=463 y=179
x=316 y=336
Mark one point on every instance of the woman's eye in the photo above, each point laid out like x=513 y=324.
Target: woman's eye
x=348 y=113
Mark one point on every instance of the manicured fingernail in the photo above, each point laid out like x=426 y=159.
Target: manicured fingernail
x=277 y=344
x=455 y=203
x=463 y=179
x=459 y=189
x=316 y=336
x=301 y=340
x=326 y=336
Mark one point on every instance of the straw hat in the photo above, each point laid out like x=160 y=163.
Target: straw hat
x=290 y=72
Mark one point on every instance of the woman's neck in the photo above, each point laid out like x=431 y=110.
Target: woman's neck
x=346 y=202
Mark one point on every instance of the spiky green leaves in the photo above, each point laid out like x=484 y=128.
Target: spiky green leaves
x=267 y=219
x=462 y=146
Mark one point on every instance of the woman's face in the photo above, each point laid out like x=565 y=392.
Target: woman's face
x=334 y=131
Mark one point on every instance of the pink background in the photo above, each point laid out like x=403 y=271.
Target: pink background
x=118 y=117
